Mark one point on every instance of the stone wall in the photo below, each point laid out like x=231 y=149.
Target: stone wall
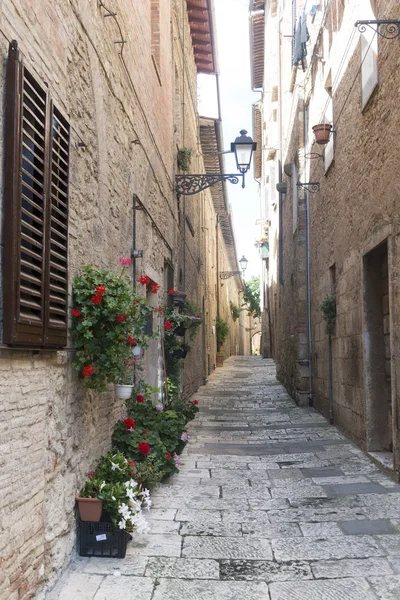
x=354 y=221
x=128 y=119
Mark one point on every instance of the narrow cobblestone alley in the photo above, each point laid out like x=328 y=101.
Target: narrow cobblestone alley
x=271 y=502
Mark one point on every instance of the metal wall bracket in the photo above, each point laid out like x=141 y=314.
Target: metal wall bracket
x=228 y=274
x=188 y=185
x=310 y=186
x=386 y=28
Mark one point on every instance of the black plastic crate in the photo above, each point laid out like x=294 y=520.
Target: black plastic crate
x=102 y=539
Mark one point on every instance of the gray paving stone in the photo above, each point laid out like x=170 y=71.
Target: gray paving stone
x=210 y=529
x=386 y=588
x=131 y=565
x=354 y=488
x=343 y=589
x=263 y=570
x=390 y=544
x=321 y=548
x=269 y=530
x=124 y=588
x=182 y=568
x=301 y=491
x=321 y=530
x=367 y=527
x=155 y=545
x=351 y=567
x=217 y=548
x=161 y=514
x=176 y=589
x=80 y=585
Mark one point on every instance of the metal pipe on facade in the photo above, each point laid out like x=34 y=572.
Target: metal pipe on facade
x=308 y=282
x=280 y=126
x=330 y=380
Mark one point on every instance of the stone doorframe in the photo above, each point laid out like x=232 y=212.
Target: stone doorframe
x=377 y=237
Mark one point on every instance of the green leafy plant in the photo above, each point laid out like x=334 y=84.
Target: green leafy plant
x=184 y=157
x=222 y=328
x=122 y=496
x=235 y=311
x=251 y=297
x=107 y=321
x=328 y=308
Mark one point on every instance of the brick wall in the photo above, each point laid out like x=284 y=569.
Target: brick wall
x=124 y=118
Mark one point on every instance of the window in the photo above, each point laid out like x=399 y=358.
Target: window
x=36 y=213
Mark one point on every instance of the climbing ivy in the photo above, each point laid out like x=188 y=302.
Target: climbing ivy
x=328 y=308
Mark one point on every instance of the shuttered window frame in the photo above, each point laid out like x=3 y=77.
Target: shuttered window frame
x=35 y=274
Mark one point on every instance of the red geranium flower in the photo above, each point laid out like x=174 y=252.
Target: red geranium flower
x=75 y=312
x=168 y=456
x=100 y=290
x=144 y=280
x=132 y=341
x=159 y=309
x=154 y=288
x=144 y=448
x=96 y=299
x=195 y=402
x=91 y=474
x=129 y=423
x=132 y=463
x=121 y=318
x=168 y=325
x=144 y=432
x=87 y=371
x=140 y=398
x=171 y=291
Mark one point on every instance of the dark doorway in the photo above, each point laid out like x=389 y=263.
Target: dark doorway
x=377 y=364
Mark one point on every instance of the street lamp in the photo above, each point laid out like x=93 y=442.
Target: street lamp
x=243 y=148
x=243 y=265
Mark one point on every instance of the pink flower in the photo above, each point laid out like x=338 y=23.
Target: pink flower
x=159 y=407
x=185 y=437
x=125 y=261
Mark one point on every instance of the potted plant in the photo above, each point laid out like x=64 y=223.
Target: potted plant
x=89 y=505
x=181 y=351
x=222 y=334
x=113 y=485
x=322 y=133
x=124 y=386
x=106 y=311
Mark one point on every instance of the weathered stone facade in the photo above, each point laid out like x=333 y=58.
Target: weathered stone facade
x=130 y=107
x=350 y=80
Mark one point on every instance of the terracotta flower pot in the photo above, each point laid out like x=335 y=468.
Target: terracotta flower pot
x=90 y=509
x=220 y=359
x=322 y=133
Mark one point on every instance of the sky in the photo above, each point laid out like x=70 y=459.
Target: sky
x=236 y=106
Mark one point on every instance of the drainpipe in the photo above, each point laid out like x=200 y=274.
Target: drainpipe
x=280 y=144
x=308 y=282
x=330 y=381
x=134 y=240
x=217 y=260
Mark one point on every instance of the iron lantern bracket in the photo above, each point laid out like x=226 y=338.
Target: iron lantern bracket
x=228 y=274
x=310 y=186
x=188 y=185
x=386 y=28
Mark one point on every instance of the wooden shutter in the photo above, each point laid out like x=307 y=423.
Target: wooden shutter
x=56 y=281
x=35 y=226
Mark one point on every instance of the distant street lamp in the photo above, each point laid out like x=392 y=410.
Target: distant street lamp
x=243 y=265
x=243 y=148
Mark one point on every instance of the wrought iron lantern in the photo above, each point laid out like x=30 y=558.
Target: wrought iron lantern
x=243 y=148
x=243 y=265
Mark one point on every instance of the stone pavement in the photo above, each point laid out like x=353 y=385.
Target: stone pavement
x=272 y=503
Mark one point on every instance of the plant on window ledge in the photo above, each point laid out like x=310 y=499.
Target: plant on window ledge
x=107 y=321
x=184 y=156
x=235 y=311
x=222 y=332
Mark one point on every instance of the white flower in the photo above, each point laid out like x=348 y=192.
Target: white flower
x=115 y=466
x=122 y=524
x=113 y=498
x=103 y=483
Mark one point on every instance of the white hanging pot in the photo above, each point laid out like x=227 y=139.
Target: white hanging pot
x=137 y=350
x=123 y=391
